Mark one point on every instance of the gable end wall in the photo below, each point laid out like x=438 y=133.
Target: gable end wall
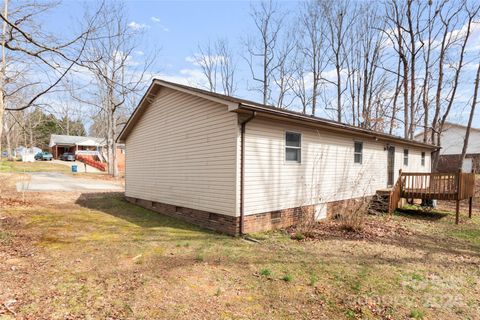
x=183 y=152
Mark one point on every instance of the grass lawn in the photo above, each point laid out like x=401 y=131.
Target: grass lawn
x=71 y=256
x=37 y=166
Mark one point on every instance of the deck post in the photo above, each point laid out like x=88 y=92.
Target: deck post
x=458 y=197
x=470 y=207
x=457 y=212
x=400 y=177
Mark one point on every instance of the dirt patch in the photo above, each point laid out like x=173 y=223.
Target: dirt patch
x=369 y=231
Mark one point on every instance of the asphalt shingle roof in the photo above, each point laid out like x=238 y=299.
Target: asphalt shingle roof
x=57 y=139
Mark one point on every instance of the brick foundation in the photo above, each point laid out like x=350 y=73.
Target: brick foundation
x=253 y=223
x=213 y=221
x=278 y=219
x=336 y=208
x=229 y=224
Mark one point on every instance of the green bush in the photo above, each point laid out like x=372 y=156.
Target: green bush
x=287 y=278
x=265 y=272
x=416 y=314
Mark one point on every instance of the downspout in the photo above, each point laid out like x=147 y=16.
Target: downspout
x=242 y=170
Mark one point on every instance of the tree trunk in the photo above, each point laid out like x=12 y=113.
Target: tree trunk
x=470 y=120
x=413 y=53
x=405 y=97
x=2 y=74
x=395 y=97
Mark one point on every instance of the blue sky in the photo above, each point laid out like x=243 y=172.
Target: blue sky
x=177 y=27
x=173 y=30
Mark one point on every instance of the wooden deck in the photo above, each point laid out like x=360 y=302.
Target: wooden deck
x=433 y=186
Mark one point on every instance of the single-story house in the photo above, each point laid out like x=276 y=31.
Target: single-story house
x=237 y=166
x=60 y=144
x=451 y=140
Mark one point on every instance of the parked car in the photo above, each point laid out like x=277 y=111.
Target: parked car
x=67 y=156
x=47 y=156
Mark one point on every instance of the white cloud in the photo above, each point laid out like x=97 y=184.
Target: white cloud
x=139 y=52
x=191 y=77
x=157 y=21
x=137 y=26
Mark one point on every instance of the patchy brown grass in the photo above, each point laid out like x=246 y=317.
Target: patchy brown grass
x=77 y=256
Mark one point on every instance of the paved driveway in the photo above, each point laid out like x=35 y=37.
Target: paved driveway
x=55 y=181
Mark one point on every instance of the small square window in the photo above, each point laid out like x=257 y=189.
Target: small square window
x=276 y=216
x=293 y=147
x=423 y=159
x=405 y=157
x=213 y=217
x=358 y=152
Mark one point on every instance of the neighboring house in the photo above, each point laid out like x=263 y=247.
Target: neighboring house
x=90 y=148
x=60 y=144
x=237 y=166
x=451 y=140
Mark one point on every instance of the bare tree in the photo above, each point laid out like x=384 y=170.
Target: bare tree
x=449 y=19
x=339 y=16
x=25 y=42
x=207 y=59
x=427 y=43
x=285 y=71
x=471 y=15
x=227 y=67
x=262 y=48
x=313 y=48
x=217 y=64
x=116 y=77
x=364 y=55
x=395 y=31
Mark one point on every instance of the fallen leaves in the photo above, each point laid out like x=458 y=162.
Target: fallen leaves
x=370 y=231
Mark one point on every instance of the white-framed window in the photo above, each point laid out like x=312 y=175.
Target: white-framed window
x=293 y=147
x=423 y=159
x=358 y=152
x=405 y=157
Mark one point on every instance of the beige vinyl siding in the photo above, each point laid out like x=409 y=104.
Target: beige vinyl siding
x=414 y=160
x=327 y=171
x=183 y=152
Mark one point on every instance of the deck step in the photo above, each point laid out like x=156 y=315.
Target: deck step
x=379 y=202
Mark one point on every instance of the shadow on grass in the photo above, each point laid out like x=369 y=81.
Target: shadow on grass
x=430 y=215
x=114 y=204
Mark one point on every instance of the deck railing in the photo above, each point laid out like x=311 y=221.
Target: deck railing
x=427 y=186
x=395 y=195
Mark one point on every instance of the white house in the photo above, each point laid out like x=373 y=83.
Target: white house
x=451 y=139
x=238 y=166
